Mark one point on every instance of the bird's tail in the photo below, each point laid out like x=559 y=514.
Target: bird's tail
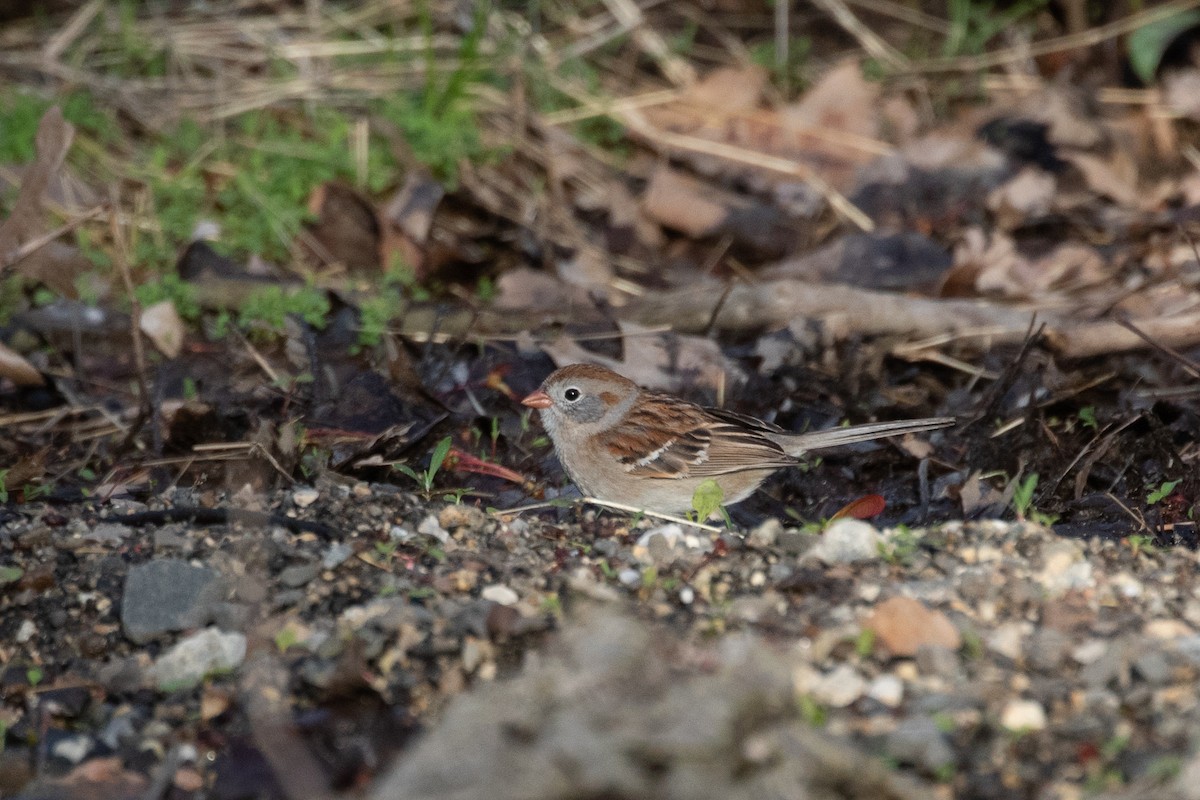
x=796 y=444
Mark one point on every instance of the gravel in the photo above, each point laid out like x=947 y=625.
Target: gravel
x=572 y=653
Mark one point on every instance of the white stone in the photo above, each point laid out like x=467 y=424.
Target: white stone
x=672 y=534
x=73 y=749
x=1008 y=638
x=501 y=594
x=887 y=689
x=629 y=577
x=26 y=631
x=432 y=528
x=846 y=541
x=1064 y=568
x=305 y=496
x=839 y=688
x=1127 y=585
x=1023 y=715
x=1090 y=651
x=1167 y=629
x=207 y=651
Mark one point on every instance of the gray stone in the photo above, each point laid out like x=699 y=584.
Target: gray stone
x=917 y=741
x=336 y=554
x=610 y=712
x=846 y=541
x=794 y=541
x=1152 y=667
x=298 y=575
x=1047 y=649
x=167 y=595
x=208 y=651
x=934 y=659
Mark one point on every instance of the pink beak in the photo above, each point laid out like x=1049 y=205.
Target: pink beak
x=538 y=399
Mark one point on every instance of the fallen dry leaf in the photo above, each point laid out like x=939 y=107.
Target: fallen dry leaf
x=655 y=360
x=682 y=203
x=346 y=230
x=841 y=100
x=54 y=264
x=14 y=367
x=408 y=219
x=164 y=327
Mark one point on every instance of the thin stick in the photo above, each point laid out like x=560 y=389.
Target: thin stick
x=870 y=41
x=838 y=201
x=1072 y=41
x=121 y=251
x=616 y=507
x=38 y=242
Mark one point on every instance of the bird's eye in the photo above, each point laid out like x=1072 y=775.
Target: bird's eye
x=572 y=394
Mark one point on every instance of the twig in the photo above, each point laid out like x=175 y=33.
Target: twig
x=38 y=242
x=1189 y=366
x=197 y=515
x=1072 y=41
x=630 y=18
x=70 y=32
x=616 y=507
x=875 y=46
x=121 y=252
x=785 y=166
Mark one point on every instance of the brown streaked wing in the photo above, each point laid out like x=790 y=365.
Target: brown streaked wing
x=663 y=437
x=671 y=438
x=738 y=449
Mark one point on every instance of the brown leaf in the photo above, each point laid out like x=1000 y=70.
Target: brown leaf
x=842 y=100
x=682 y=203
x=657 y=361
x=14 y=367
x=56 y=264
x=346 y=231
x=164 y=327
x=408 y=219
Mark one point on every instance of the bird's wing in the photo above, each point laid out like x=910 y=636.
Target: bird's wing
x=671 y=438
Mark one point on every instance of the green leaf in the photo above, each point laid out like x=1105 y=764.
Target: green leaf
x=285 y=639
x=10 y=574
x=707 y=498
x=1161 y=492
x=1147 y=44
x=439 y=455
x=1023 y=495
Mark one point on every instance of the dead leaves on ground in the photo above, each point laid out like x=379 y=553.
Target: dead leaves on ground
x=849 y=209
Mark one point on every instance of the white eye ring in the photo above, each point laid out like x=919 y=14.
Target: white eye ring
x=572 y=394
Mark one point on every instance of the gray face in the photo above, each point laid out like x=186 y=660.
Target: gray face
x=578 y=401
x=589 y=404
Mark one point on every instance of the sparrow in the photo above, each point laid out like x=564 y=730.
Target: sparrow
x=622 y=443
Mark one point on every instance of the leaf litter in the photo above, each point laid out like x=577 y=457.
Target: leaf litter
x=348 y=267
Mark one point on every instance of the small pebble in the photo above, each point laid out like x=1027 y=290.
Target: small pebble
x=430 y=527
x=1023 y=715
x=336 y=554
x=1089 y=651
x=887 y=690
x=846 y=541
x=629 y=577
x=841 y=687
x=305 y=496
x=26 y=631
x=500 y=594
